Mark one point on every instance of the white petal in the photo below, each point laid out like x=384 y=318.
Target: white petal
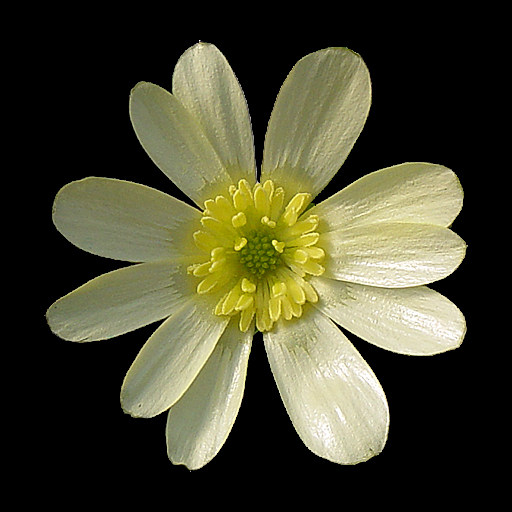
x=176 y=143
x=414 y=321
x=205 y=84
x=392 y=255
x=124 y=220
x=331 y=394
x=199 y=423
x=120 y=301
x=412 y=192
x=171 y=359
x=318 y=115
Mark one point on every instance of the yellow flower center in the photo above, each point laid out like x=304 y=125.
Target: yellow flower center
x=260 y=254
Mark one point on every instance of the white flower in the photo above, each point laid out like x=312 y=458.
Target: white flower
x=256 y=254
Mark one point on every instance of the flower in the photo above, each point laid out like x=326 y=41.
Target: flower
x=259 y=255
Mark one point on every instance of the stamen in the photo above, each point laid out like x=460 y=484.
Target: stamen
x=277 y=204
x=218 y=253
x=313 y=268
x=205 y=241
x=245 y=188
x=240 y=243
x=248 y=286
x=278 y=246
x=300 y=256
x=221 y=208
x=246 y=316
x=240 y=201
x=286 y=308
x=239 y=220
x=217 y=265
x=202 y=269
x=295 y=207
x=231 y=301
x=279 y=289
x=267 y=222
x=244 y=302
x=304 y=240
x=268 y=186
x=302 y=227
x=315 y=252
x=208 y=284
x=274 y=309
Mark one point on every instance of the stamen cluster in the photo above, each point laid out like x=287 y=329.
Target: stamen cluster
x=260 y=254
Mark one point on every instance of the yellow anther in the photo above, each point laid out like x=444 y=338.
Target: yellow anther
x=231 y=301
x=248 y=286
x=240 y=201
x=207 y=284
x=267 y=222
x=246 y=316
x=305 y=240
x=300 y=256
x=296 y=309
x=218 y=307
x=279 y=289
x=239 y=220
x=211 y=223
x=208 y=205
x=202 y=269
x=311 y=295
x=296 y=292
x=218 y=253
x=244 y=187
x=217 y=265
x=261 y=201
x=274 y=309
x=303 y=226
x=286 y=308
x=316 y=253
x=268 y=186
x=295 y=207
x=204 y=241
x=222 y=202
x=299 y=202
x=277 y=203
x=191 y=268
x=240 y=243
x=278 y=246
x=244 y=302
x=313 y=268
x=290 y=216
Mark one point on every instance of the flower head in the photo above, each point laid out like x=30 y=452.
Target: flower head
x=257 y=254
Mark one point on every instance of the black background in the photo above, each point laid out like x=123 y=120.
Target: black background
x=418 y=114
